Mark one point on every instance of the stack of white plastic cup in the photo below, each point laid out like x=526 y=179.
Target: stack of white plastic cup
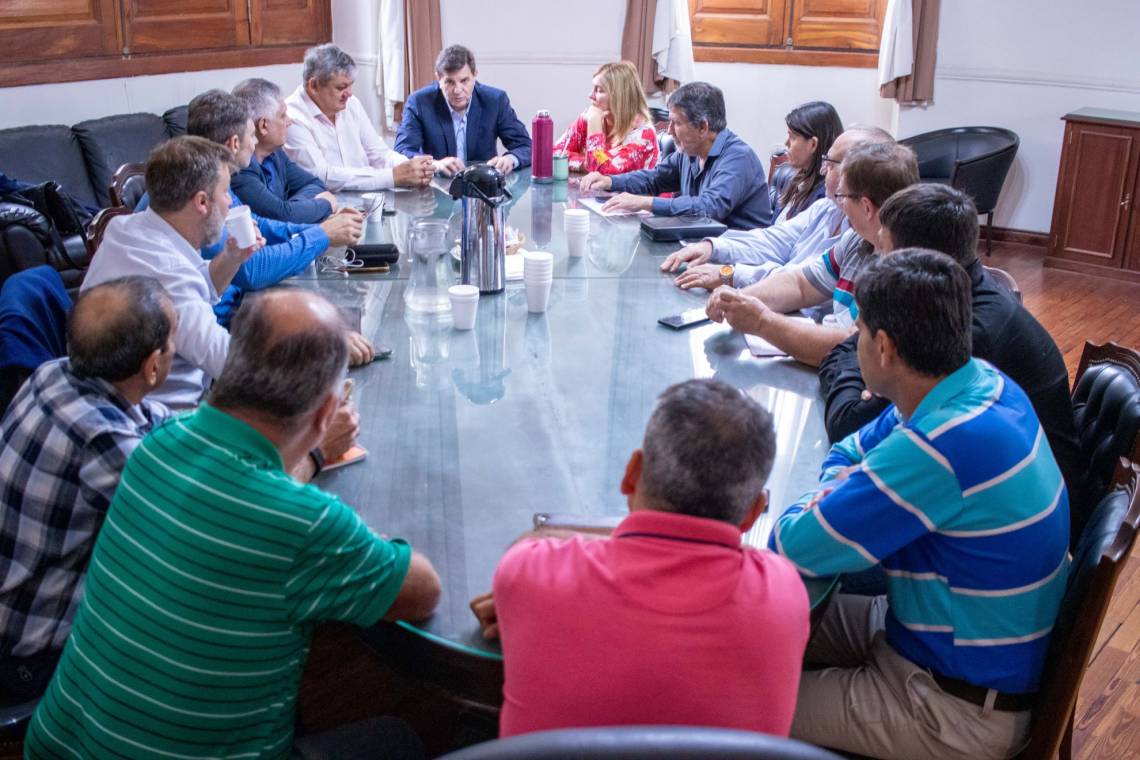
x=239 y=223
x=538 y=275
x=576 y=222
x=464 y=305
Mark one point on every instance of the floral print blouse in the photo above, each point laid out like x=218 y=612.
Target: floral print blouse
x=591 y=153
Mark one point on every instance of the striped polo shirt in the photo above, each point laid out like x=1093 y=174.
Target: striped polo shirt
x=207 y=579
x=966 y=510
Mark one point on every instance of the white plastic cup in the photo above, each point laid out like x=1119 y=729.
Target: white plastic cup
x=538 y=263
x=537 y=295
x=375 y=202
x=239 y=223
x=576 y=218
x=464 y=306
x=576 y=243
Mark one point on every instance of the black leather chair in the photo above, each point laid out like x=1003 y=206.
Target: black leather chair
x=128 y=185
x=1106 y=410
x=974 y=160
x=1104 y=548
x=110 y=142
x=83 y=160
x=639 y=742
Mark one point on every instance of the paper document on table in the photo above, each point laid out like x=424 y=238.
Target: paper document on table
x=760 y=347
x=595 y=205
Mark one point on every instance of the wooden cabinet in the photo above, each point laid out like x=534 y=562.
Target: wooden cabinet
x=1096 y=219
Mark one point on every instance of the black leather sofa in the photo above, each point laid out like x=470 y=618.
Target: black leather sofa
x=82 y=158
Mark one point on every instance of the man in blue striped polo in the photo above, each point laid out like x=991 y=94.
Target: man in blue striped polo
x=954 y=491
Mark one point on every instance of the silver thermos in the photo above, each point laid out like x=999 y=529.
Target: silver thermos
x=483 y=254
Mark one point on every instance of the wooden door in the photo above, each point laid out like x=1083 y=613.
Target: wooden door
x=1132 y=252
x=843 y=24
x=1095 y=191
x=171 y=25
x=739 y=23
x=290 y=22
x=34 y=30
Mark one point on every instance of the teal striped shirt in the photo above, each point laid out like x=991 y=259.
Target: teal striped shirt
x=209 y=574
x=965 y=508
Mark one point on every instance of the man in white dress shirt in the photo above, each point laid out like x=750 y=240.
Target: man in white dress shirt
x=332 y=137
x=188 y=179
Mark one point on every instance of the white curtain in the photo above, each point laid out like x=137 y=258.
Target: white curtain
x=896 y=50
x=673 y=41
x=390 y=59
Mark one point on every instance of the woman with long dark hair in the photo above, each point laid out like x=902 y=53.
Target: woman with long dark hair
x=812 y=128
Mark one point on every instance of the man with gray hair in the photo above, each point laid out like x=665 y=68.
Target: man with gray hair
x=332 y=136
x=684 y=624
x=187 y=180
x=215 y=565
x=66 y=438
x=273 y=185
x=459 y=121
x=712 y=173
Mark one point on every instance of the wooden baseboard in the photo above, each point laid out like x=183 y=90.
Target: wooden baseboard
x=1115 y=273
x=1022 y=237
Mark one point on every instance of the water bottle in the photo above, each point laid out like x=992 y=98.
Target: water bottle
x=542 y=147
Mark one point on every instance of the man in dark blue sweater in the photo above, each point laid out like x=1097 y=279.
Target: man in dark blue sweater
x=272 y=185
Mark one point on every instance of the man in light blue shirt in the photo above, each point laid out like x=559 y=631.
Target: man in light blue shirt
x=712 y=173
x=752 y=255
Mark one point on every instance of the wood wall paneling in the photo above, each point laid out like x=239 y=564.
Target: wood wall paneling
x=744 y=23
x=278 y=22
x=843 y=24
x=175 y=25
x=34 y=30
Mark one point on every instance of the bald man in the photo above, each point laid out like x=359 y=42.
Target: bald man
x=66 y=437
x=216 y=617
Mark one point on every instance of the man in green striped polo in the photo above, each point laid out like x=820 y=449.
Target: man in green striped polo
x=214 y=565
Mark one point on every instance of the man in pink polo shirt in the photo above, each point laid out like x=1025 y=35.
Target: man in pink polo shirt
x=671 y=620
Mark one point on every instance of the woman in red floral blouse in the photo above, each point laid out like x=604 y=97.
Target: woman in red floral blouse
x=615 y=134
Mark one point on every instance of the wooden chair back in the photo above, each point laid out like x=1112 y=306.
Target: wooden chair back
x=1005 y=279
x=125 y=185
x=1104 y=548
x=99 y=224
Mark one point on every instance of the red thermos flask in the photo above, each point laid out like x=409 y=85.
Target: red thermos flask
x=542 y=147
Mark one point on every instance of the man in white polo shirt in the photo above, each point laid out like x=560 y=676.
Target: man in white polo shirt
x=332 y=137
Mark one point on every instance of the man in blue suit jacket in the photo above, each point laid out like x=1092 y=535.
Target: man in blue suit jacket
x=458 y=120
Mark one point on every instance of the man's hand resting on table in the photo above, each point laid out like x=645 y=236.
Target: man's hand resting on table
x=449 y=166
x=328 y=196
x=692 y=254
x=344 y=227
x=747 y=314
x=628 y=202
x=360 y=351
x=504 y=163
x=484 y=608
x=342 y=431
x=704 y=276
x=415 y=172
x=594 y=181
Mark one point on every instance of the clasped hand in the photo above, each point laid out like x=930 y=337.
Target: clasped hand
x=742 y=312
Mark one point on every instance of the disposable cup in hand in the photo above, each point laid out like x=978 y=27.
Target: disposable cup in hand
x=537 y=295
x=464 y=305
x=239 y=223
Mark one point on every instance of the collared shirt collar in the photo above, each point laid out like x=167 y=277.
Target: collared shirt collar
x=239 y=437
x=106 y=389
x=311 y=107
x=718 y=143
x=647 y=523
x=155 y=221
x=950 y=386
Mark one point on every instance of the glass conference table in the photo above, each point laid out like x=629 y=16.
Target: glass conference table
x=470 y=434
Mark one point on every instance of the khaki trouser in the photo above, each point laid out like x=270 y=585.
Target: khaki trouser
x=873 y=701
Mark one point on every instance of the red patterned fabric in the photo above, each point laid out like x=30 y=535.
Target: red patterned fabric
x=591 y=153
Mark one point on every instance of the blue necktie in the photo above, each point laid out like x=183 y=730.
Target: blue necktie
x=461 y=140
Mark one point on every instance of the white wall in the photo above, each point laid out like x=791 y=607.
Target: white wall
x=71 y=102
x=1025 y=66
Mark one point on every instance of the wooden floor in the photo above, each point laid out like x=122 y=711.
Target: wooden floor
x=1075 y=308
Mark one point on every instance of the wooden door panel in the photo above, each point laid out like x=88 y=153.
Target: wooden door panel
x=739 y=23
x=1097 y=182
x=285 y=22
x=32 y=30
x=845 y=24
x=169 y=25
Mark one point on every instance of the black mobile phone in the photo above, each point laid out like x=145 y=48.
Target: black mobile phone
x=685 y=319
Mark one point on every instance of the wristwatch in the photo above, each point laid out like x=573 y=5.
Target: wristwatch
x=726 y=274
x=318 y=460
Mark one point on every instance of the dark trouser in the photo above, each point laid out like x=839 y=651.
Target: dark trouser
x=387 y=737
x=23 y=679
